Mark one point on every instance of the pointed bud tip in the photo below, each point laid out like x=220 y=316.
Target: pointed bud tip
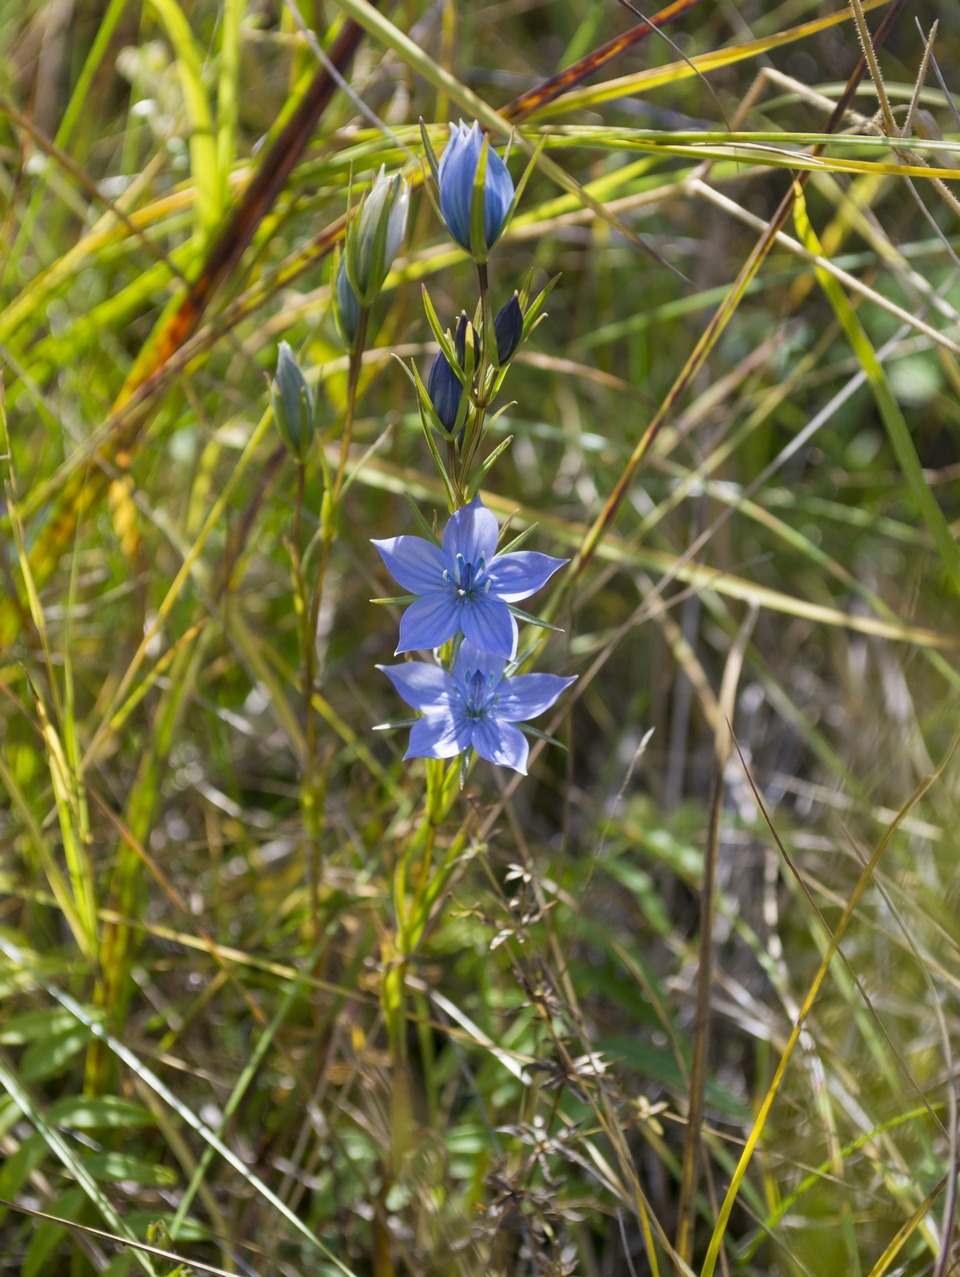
x=508 y=329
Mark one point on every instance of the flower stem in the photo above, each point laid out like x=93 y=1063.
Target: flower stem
x=487 y=357
x=312 y=784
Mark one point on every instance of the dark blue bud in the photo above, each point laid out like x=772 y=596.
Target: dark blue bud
x=508 y=329
x=460 y=339
x=445 y=391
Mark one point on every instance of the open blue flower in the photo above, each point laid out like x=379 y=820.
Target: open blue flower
x=456 y=176
x=475 y=707
x=463 y=584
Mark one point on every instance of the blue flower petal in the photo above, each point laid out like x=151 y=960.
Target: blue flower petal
x=515 y=576
x=528 y=695
x=413 y=562
x=438 y=736
x=430 y=621
x=490 y=625
x=501 y=743
x=456 y=174
x=498 y=195
x=424 y=687
x=472 y=531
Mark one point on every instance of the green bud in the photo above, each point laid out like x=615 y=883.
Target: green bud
x=346 y=308
x=375 y=234
x=293 y=404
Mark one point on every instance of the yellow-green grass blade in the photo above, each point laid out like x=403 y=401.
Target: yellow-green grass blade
x=898 y=432
x=228 y=96
x=699 y=64
x=47 y=859
x=203 y=146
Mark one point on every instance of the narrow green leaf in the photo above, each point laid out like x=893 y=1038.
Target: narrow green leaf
x=898 y=432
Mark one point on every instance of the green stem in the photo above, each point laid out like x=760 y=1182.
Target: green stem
x=312 y=797
x=487 y=358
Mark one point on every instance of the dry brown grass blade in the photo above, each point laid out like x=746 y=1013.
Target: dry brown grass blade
x=593 y=62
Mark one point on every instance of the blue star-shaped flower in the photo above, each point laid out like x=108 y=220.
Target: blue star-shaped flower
x=475 y=707
x=464 y=584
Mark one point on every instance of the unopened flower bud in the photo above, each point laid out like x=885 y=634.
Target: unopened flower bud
x=457 y=175
x=445 y=391
x=465 y=343
x=347 y=309
x=508 y=329
x=375 y=235
x=443 y=385
x=293 y=404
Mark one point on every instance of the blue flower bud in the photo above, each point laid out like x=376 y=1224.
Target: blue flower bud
x=443 y=385
x=375 y=235
x=293 y=404
x=465 y=334
x=508 y=329
x=445 y=391
x=347 y=308
x=457 y=174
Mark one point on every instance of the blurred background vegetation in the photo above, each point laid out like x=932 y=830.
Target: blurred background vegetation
x=679 y=1001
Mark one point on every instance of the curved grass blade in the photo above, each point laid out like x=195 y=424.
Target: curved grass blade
x=146 y=1075
x=60 y=1149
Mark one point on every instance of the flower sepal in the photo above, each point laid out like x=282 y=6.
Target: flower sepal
x=399 y=600
x=346 y=307
x=533 y=620
x=476 y=483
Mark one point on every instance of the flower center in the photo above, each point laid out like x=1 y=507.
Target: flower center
x=480 y=696
x=466 y=579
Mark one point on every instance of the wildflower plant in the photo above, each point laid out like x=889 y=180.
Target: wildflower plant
x=470 y=694
x=463 y=593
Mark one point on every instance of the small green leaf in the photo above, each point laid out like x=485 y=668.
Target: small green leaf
x=35 y=1026
x=50 y=1057
x=110 y=1112
x=121 y=1166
